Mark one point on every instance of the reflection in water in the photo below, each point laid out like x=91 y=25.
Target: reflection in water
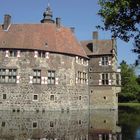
x=129 y=119
x=82 y=125
x=103 y=125
x=138 y=133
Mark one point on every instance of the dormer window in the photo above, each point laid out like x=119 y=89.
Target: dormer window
x=41 y=54
x=13 y=53
x=46 y=45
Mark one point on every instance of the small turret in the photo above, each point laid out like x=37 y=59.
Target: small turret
x=48 y=14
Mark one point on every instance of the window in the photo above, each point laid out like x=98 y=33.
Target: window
x=80 y=122
x=13 y=53
x=105 y=60
x=51 y=124
x=12 y=75
x=3 y=124
x=34 y=124
x=37 y=77
x=117 y=79
x=51 y=77
x=105 y=79
x=104 y=97
x=90 y=69
x=41 y=54
x=52 y=97
x=8 y=75
x=4 y=96
x=82 y=77
x=35 y=97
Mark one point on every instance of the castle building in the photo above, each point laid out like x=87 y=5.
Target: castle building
x=104 y=75
x=44 y=67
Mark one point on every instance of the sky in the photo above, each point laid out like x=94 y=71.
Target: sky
x=81 y=14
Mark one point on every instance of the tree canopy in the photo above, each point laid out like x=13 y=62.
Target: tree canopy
x=122 y=18
x=130 y=86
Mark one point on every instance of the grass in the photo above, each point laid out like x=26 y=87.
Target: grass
x=130 y=104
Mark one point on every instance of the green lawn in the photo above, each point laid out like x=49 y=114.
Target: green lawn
x=130 y=104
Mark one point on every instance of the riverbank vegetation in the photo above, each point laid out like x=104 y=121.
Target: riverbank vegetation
x=130 y=84
x=129 y=104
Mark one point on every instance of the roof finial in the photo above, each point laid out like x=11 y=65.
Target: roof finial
x=48 y=3
x=48 y=14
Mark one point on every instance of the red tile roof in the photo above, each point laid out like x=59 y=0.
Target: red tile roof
x=35 y=37
x=101 y=47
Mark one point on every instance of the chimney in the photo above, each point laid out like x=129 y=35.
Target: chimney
x=7 y=22
x=72 y=29
x=95 y=35
x=58 y=22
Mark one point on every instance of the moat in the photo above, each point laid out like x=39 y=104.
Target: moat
x=74 y=125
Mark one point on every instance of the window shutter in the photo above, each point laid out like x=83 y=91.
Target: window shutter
x=31 y=79
x=110 y=82
x=100 y=63
x=109 y=63
x=56 y=81
x=18 y=53
x=76 y=59
x=46 y=80
x=76 y=80
x=87 y=82
x=86 y=62
x=35 y=54
x=47 y=55
x=7 y=53
x=100 y=82
x=82 y=61
x=42 y=80
x=18 y=78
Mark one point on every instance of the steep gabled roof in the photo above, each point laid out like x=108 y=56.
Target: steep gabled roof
x=97 y=47
x=46 y=37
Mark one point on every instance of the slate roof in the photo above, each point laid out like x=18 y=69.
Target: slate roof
x=102 y=47
x=36 y=36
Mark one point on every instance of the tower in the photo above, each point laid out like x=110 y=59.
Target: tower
x=47 y=15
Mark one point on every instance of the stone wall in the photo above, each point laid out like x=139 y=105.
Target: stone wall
x=66 y=93
x=103 y=96
x=95 y=64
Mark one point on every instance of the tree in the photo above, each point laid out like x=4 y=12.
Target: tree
x=122 y=18
x=130 y=86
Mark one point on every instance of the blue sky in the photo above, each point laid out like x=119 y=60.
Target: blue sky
x=81 y=14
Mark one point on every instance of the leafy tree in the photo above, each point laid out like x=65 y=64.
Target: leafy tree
x=138 y=79
x=122 y=18
x=130 y=87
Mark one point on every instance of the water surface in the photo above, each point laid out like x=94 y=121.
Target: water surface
x=129 y=120
x=67 y=125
